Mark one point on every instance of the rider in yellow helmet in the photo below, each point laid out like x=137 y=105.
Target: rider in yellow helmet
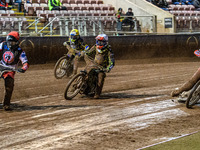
x=76 y=48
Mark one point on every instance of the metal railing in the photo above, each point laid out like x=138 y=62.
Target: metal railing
x=87 y=25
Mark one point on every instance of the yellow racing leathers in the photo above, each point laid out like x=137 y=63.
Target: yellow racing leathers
x=75 y=51
x=105 y=59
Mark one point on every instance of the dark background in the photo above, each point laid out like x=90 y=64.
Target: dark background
x=50 y=49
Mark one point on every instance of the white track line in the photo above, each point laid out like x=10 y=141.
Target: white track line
x=65 y=130
x=170 y=139
x=133 y=116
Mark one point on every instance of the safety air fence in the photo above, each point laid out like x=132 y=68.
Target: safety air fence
x=49 y=49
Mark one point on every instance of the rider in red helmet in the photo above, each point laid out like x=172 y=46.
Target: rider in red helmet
x=11 y=55
x=104 y=57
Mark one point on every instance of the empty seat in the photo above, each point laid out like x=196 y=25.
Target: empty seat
x=85 y=1
x=99 y=2
x=2 y=12
x=79 y=2
x=93 y=1
x=68 y=6
x=171 y=7
x=72 y=2
x=30 y=11
x=37 y=7
x=43 y=1
x=34 y=1
x=57 y=13
x=45 y=8
x=43 y=5
x=65 y=2
x=191 y=7
x=38 y=12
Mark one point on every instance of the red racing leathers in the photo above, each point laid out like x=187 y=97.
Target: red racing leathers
x=11 y=58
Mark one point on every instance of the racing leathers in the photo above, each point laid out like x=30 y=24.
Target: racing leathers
x=75 y=51
x=11 y=58
x=104 y=59
x=190 y=83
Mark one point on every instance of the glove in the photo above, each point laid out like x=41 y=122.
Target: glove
x=82 y=53
x=21 y=70
x=65 y=44
x=197 y=53
x=108 y=70
x=79 y=54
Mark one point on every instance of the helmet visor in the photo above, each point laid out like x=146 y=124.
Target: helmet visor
x=100 y=43
x=74 y=37
x=11 y=44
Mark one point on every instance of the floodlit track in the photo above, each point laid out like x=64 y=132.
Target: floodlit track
x=135 y=110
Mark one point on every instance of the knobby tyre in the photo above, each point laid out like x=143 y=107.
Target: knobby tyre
x=194 y=95
x=74 y=86
x=60 y=68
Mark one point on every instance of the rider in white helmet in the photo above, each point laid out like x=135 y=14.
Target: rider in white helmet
x=104 y=57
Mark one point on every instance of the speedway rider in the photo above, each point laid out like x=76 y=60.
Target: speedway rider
x=104 y=57
x=190 y=83
x=11 y=55
x=76 y=48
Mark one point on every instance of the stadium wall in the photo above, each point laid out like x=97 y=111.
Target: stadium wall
x=49 y=49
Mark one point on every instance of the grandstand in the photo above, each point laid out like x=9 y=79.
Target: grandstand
x=96 y=16
x=83 y=14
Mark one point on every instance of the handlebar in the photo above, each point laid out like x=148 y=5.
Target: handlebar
x=94 y=64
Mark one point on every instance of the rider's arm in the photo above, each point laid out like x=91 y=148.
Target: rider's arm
x=111 y=60
x=91 y=50
x=1 y=46
x=24 y=61
x=67 y=44
x=197 y=53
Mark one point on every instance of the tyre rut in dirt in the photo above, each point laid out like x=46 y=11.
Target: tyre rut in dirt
x=76 y=82
x=194 y=95
x=62 y=72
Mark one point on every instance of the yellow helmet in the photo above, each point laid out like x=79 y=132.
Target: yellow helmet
x=74 y=35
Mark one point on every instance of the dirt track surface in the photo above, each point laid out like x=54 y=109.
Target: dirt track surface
x=135 y=109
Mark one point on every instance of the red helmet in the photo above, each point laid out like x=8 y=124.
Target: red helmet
x=101 y=42
x=13 y=36
x=12 y=39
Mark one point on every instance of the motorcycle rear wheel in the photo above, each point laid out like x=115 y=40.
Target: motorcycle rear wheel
x=194 y=95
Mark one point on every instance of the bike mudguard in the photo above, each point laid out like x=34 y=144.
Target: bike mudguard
x=197 y=53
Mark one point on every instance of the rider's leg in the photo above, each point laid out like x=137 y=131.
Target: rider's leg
x=9 y=85
x=75 y=68
x=101 y=77
x=188 y=85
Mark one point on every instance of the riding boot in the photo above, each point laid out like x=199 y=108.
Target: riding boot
x=185 y=87
x=188 y=85
x=9 y=85
x=101 y=77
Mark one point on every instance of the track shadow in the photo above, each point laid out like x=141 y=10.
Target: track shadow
x=125 y=96
x=21 y=107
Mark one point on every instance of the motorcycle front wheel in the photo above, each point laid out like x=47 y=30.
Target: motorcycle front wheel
x=74 y=86
x=61 y=67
